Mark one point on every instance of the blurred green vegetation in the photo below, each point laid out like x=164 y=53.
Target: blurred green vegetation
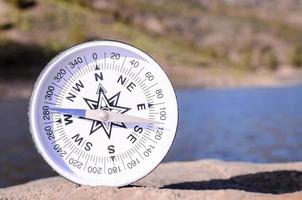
x=297 y=56
x=177 y=33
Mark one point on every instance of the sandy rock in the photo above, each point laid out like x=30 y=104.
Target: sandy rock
x=207 y=179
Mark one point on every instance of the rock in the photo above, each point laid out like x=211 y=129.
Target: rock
x=206 y=179
x=150 y=23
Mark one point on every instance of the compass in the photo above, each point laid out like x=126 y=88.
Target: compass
x=103 y=113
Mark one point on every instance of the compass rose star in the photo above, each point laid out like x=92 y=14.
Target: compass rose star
x=110 y=104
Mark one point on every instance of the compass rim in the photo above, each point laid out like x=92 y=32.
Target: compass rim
x=41 y=148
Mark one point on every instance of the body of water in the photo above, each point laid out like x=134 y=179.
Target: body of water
x=257 y=125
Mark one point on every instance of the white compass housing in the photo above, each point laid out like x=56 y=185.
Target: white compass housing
x=103 y=113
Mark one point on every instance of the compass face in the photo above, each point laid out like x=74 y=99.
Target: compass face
x=103 y=113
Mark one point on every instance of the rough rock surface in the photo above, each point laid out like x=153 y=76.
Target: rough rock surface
x=206 y=179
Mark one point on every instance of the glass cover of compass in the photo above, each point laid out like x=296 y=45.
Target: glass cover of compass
x=103 y=113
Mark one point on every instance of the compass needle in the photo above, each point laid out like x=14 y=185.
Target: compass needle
x=104 y=116
x=103 y=113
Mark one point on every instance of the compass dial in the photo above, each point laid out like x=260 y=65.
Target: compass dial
x=103 y=113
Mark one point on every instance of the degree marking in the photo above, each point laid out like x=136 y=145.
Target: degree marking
x=72 y=78
x=76 y=151
x=92 y=67
x=69 y=70
x=67 y=143
x=147 y=133
x=149 y=95
x=129 y=71
x=95 y=160
x=127 y=152
x=69 y=153
x=123 y=61
x=58 y=129
x=80 y=155
x=112 y=65
x=146 y=136
x=141 y=82
x=148 y=128
x=140 y=142
x=86 y=61
x=50 y=122
x=150 y=98
x=132 y=75
x=123 y=70
x=104 y=166
x=123 y=164
x=55 y=141
x=86 y=161
x=151 y=86
x=138 y=152
x=57 y=85
x=105 y=57
x=49 y=103
x=139 y=72
x=115 y=67
x=58 y=96
x=71 y=145
x=139 y=145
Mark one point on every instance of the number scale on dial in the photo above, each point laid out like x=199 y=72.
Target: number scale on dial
x=103 y=113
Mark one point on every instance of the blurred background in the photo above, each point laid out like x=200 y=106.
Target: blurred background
x=236 y=66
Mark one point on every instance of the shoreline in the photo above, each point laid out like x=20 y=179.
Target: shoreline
x=21 y=89
x=230 y=78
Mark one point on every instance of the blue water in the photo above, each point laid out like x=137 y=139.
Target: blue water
x=258 y=125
